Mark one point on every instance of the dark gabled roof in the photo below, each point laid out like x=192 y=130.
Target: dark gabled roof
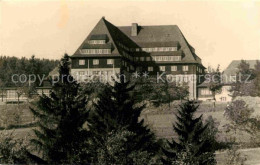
x=100 y=29
x=163 y=34
x=148 y=36
x=96 y=46
x=98 y=37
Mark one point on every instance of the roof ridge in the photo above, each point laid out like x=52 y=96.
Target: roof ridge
x=102 y=20
x=187 y=43
x=108 y=29
x=147 y=25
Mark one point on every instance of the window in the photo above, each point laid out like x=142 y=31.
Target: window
x=81 y=62
x=136 y=58
x=110 y=61
x=173 y=68
x=148 y=58
x=149 y=49
x=162 y=68
x=156 y=49
x=150 y=68
x=185 y=68
x=206 y=92
x=95 y=51
x=141 y=58
x=173 y=48
x=97 y=41
x=223 y=99
x=95 y=62
x=167 y=58
x=177 y=58
x=81 y=73
x=106 y=51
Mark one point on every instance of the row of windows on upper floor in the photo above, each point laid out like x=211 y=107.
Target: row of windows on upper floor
x=95 y=51
x=157 y=49
x=150 y=68
x=185 y=68
x=153 y=49
x=205 y=92
x=97 y=41
x=96 y=62
x=108 y=51
x=154 y=58
x=159 y=58
x=162 y=68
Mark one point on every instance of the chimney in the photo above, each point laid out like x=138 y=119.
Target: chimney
x=134 y=29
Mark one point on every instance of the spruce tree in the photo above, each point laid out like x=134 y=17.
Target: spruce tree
x=116 y=110
x=60 y=117
x=193 y=146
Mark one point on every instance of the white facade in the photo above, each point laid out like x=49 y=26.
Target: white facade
x=223 y=96
x=87 y=75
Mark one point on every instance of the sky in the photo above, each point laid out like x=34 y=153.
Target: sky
x=220 y=31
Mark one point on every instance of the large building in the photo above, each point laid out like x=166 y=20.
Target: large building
x=161 y=49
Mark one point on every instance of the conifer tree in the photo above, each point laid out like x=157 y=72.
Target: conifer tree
x=193 y=146
x=59 y=135
x=116 y=109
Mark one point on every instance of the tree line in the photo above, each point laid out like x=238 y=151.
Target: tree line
x=14 y=65
x=107 y=131
x=10 y=66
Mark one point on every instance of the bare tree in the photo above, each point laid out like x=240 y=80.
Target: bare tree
x=215 y=83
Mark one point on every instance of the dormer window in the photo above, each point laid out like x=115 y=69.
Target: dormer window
x=167 y=58
x=95 y=51
x=98 y=39
x=97 y=42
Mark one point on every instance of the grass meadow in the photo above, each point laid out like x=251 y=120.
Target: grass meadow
x=18 y=120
